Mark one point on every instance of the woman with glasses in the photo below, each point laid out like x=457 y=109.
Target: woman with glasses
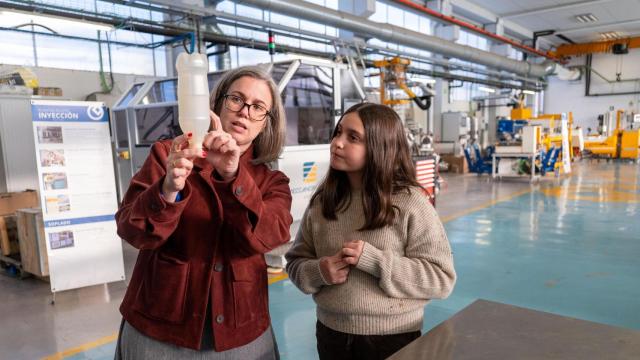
x=202 y=222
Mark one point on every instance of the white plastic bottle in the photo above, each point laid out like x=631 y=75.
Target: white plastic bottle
x=193 y=96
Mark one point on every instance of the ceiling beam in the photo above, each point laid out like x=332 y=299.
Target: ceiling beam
x=552 y=8
x=484 y=16
x=495 y=34
x=481 y=15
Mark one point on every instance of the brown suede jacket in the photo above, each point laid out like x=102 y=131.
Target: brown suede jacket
x=209 y=245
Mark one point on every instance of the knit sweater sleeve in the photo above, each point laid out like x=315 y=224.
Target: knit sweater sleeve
x=303 y=265
x=425 y=271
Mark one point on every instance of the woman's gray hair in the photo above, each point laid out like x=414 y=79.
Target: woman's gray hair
x=268 y=145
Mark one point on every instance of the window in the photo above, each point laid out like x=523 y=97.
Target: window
x=69 y=53
x=308 y=103
x=129 y=60
x=19 y=48
x=63 y=53
x=473 y=40
x=241 y=57
x=381 y=13
x=395 y=16
x=252 y=56
x=402 y=18
x=249 y=11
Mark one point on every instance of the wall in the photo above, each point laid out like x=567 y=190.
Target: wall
x=458 y=105
x=77 y=84
x=565 y=96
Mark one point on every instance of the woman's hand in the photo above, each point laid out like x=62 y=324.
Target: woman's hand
x=334 y=269
x=222 y=150
x=179 y=165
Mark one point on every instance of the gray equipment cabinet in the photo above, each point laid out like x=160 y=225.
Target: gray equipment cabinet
x=18 y=169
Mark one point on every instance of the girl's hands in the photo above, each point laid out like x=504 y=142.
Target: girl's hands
x=178 y=167
x=351 y=251
x=333 y=268
x=221 y=149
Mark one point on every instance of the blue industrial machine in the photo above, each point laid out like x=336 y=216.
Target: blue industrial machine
x=549 y=160
x=477 y=163
x=508 y=129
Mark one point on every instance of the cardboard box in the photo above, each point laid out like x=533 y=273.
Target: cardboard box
x=457 y=164
x=10 y=202
x=33 y=248
x=47 y=91
x=9 y=243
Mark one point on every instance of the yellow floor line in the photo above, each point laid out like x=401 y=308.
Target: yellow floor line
x=114 y=336
x=280 y=277
x=446 y=219
x=82 y=348
x=273 y=280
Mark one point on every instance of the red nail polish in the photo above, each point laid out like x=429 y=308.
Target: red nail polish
x=190 y=134
x=204 y=153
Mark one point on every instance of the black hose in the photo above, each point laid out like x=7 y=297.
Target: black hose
x=423 y=102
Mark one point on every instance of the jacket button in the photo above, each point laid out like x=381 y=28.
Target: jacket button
x=155 y=206
x=238 y=191
x=219 y=319
x=218 y=267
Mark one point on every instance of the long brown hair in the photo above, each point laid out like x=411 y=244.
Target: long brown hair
x=268 y=145
x=388 y=168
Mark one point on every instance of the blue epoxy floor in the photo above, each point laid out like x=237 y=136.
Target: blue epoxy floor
x=558 y=249
x=570 y=246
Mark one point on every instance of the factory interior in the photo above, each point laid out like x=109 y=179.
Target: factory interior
x=522 y=119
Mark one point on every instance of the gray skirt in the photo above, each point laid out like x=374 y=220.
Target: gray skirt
x=134 y=345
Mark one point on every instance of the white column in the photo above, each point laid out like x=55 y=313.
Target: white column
x=504 y=50
x=440 y=101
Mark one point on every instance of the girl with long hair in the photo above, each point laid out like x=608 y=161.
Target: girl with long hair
x=371 y=248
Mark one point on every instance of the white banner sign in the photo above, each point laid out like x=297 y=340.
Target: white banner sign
x=305 y=166
x=77 y=193
x=566 y=149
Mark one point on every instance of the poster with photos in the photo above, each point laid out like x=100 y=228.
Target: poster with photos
x=77 y=193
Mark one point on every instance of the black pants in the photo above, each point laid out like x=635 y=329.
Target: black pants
x=336 y=345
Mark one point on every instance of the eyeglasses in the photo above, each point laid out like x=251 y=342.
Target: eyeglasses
x=235 y=103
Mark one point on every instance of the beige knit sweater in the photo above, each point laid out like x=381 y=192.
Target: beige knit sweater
x=402 y=266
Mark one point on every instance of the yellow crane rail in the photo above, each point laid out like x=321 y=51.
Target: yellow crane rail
x=593 y=47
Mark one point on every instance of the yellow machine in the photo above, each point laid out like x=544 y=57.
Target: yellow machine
x=523 y=113
x=551 y=137
x=551 y=133
x=621 y=144
x=393 y=74
x=520 y=111
x=630 y=144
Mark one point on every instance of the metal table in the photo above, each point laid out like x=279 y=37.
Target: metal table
x=494 y=162
x=491 y=330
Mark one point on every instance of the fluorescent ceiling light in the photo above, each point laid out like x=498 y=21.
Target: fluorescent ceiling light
x=528 y=92
x=611 y=35
x=426 y=81
x=58 y=20
x=586 y=18
x=486 y=89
